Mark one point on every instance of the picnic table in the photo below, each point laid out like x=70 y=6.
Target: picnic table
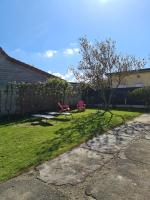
x=46 y=117
x=60 y=113
x=51 y=115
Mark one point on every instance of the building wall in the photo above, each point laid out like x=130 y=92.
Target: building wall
x=10 y=71
x=136 y=80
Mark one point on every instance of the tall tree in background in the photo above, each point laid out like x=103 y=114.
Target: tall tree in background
x=103 y=68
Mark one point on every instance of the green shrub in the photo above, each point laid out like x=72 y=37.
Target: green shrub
x=142 y=94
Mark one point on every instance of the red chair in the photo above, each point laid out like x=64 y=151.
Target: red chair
x=63 y=107
x=81 y=105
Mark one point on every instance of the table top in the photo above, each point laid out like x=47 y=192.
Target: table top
x=59 y=113
x=43 y=116
x=53 y=113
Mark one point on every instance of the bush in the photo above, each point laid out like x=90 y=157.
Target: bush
x=141 y=94
x=42 y=96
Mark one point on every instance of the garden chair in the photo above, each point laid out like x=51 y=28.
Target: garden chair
x=81 y=105
x=63 y=107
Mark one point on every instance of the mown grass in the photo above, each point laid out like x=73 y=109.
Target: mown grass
x=23 y=145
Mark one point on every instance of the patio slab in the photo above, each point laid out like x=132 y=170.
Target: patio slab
x=127 y=179
x=139 y=152
x=28 y=189
x=109 y=144
x=116 y=139
x=71 y=168
x=74 y=166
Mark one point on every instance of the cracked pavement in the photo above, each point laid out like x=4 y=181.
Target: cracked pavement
x=112 y=166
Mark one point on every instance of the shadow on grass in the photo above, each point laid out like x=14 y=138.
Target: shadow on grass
x=80 y=130
x=41 y=123
x=76 y=111
x=16 y=120
x=61 y=119
x=29 y=119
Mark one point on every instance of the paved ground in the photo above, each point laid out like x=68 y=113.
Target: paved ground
x=114 y=166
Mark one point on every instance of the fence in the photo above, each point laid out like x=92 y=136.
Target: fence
x=15 y=101
x=121 y=97
x=8 y=99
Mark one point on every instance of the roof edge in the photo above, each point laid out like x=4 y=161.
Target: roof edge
x=28 y=66
x=134 y=71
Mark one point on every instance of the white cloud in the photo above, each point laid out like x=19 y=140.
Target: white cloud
x=73 y=44
x=67 y=52
x=48 y=53
x=59 y=75
x=17 y=50
x=71 y=51
x=68 y=76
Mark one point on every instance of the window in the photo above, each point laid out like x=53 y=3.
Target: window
x=139 y=85
x=122 y=86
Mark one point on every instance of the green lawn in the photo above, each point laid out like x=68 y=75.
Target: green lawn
x=23 y=145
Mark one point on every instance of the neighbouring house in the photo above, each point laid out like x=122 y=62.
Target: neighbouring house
x=22 y=100
x=12 y=70
x=136 y=79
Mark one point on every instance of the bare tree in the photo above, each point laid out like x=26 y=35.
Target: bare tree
x=103 y=68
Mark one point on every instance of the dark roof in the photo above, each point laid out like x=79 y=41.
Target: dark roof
x=135 y=71
x=142 y=70
x=27 y=66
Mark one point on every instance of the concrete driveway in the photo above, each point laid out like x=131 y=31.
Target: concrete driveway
x=113 y=166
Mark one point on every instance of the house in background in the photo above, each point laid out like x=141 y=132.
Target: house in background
x=12 y=70
x=136 y=79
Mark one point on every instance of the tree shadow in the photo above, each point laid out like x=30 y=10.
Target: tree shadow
x=31 y=120
x=118 y=137
x=84 y=127
x=41 y=123
x=66 y=119
x=130 y=130
x=17 y=120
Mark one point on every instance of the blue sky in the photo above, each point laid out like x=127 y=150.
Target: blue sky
x=45 y=33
